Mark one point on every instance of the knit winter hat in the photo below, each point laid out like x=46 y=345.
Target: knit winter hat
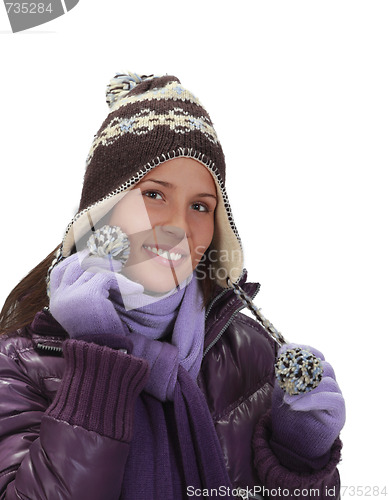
x=153 y=119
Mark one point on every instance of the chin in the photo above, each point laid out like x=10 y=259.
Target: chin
x=155 y=283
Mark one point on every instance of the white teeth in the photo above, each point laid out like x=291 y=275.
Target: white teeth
x=164 y=253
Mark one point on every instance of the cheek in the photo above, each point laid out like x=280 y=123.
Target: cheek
x=202 y=237
x=130 y=214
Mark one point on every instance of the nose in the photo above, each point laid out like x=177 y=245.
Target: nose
x=175 y=231
x=175 y=224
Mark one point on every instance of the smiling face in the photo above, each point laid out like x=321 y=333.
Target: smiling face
x=169 y=220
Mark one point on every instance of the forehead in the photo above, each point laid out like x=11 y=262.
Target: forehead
x=183 y=171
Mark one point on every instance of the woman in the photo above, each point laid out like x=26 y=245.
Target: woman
x=138 y=377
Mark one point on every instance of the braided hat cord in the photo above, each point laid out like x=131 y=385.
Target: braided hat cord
x=256 y=311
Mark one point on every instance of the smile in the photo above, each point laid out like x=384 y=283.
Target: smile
x=164 y=253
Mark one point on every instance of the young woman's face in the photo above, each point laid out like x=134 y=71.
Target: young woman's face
x=169 y=220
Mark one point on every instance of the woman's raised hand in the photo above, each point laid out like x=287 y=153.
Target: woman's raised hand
x=79 y=295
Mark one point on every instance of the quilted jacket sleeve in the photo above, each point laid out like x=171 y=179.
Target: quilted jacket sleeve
x=77 y=446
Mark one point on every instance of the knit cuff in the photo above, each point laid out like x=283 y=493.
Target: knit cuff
x=275 y=476
x=99 y=389
x=296 y=462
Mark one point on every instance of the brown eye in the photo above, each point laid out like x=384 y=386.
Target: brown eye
x=200 y=207
x=153 y=195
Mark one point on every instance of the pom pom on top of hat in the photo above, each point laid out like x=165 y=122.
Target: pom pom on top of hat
x=122 y=84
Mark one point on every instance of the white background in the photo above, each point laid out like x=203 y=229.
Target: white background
x=298 y=92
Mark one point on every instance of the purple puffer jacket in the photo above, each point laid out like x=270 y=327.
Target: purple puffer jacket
x=44 y=456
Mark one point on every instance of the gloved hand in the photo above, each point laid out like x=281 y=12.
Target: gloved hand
x=308 y=424
x=79 y=291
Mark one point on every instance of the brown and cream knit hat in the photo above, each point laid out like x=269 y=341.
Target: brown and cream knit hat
x=153 y=119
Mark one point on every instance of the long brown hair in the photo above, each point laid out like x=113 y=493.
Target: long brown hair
x=30 y=295
x=27 y=298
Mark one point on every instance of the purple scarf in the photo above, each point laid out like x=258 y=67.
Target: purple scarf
x=175 y=445
x=167 y=331
x=175 y=448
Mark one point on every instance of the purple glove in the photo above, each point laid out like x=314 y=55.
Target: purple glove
x=79 y=295
x=305 y=426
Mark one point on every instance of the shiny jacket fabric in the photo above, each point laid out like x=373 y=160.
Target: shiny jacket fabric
x=44 y=458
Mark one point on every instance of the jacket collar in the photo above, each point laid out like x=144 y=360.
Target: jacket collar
x=46 y=333
x=223 y=307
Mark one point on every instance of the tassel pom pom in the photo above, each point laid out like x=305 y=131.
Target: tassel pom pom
x=109 y=241
x=121 y=85
x=298 y=371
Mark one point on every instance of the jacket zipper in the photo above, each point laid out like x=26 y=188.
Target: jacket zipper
x=49 y=348
x=223 y=292
x=242 y=306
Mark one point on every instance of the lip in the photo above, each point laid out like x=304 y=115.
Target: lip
x=162 y=260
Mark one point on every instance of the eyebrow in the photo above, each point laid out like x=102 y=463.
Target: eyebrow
x=171 y=186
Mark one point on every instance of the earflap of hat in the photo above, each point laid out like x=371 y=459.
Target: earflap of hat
x=226 y=255
x=86 y=221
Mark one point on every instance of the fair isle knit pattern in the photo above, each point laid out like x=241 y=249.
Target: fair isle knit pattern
x=177 y=119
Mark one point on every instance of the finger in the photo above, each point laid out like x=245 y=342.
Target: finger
x=104 y=281
x=74 y=271
x=95 y=264
x=317 y=399
x=65 y=267
x=328 y=371
x=330 y=408
x=69 y=273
